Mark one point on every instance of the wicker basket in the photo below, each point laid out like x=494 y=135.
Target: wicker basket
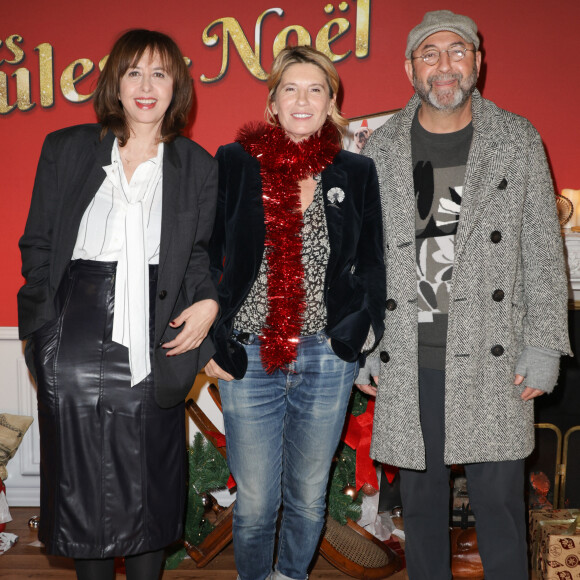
x=357 y=553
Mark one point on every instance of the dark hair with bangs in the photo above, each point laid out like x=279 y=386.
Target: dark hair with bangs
x=125 y=54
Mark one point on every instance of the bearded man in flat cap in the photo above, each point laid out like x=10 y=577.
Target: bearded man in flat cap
x=476 y=316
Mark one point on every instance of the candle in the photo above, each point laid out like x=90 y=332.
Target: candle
x=574 y=196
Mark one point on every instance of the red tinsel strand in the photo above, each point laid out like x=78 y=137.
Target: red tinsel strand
x=285 y=274
x=283 y=164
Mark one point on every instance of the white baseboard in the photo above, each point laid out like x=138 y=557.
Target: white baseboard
x=18 y=397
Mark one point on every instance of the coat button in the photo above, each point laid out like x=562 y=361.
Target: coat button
x=495 y=237
x=385 y=356
x=391 y=304
x=497 y=350
x=502 y=184
x=162 y=294
x=498 y=295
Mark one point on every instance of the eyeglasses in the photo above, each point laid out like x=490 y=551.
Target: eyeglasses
x=431 y=57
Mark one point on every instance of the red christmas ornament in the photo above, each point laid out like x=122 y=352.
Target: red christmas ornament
x=368 y=489
x=283 y=164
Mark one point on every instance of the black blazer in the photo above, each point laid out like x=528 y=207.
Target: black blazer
x=355 y=277
x=70 y=172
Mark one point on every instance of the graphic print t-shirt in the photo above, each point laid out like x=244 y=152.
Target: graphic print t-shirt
x=439 y=161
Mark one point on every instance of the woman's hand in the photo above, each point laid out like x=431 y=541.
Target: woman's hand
x=197 y=320
x=212 y=369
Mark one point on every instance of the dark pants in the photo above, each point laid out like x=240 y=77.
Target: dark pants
x=496 y=494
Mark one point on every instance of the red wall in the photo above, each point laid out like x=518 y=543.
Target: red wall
x=531 y=64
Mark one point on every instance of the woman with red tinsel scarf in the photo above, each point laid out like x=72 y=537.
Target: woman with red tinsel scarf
x=297 y=255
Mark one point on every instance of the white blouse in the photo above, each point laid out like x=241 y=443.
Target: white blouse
x=123 y=224
x=101 y=234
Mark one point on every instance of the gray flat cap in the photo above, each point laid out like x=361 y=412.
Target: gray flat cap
x=442 y=20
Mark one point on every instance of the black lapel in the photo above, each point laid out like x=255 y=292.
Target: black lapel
x=79 y=200
x=334 y=177
x=95 y=177
x=171 y=189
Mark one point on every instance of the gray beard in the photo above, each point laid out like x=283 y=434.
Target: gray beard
x=460 y=95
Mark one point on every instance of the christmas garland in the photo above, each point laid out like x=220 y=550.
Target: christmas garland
x=207 y=471
x=283 y=164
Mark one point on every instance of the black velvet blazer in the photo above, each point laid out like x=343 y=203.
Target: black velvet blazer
x=354 y=287
x=70 y=172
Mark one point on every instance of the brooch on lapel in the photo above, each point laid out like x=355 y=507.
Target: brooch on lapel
x=335 y=195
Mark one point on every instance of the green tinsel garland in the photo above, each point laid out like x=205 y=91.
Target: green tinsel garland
x=207 y=471
x=340 y=505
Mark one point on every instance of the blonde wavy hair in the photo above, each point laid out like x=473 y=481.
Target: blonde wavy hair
x=303 y=55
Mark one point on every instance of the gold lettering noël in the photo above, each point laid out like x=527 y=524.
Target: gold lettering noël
x=232 y=33
x=231 y=29
x=15 y=85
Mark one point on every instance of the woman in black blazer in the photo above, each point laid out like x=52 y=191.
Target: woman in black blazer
x=115 y=310
x=297 y=255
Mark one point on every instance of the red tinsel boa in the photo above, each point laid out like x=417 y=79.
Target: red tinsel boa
x=283 y=164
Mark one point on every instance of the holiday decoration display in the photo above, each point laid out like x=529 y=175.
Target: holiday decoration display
x=544 y=522
x=283 y=164
x=351 y=491
x=342 y=505
x=357 y=435
x=353 y=470
x=207 y=471
x=369 y=490
x=559 y=552
x=539 y=491
x=34 y=522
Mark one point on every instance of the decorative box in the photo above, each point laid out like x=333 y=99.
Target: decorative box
x=538 y=520
x=559 y=551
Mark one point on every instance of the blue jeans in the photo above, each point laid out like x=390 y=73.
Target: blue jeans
x=282 y=431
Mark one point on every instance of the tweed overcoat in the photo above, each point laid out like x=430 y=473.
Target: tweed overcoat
x=508 y=238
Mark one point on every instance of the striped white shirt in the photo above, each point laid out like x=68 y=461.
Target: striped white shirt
x=101 y=234
x=123 y=224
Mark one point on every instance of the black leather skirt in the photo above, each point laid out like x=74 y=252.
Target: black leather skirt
x=112 y=461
